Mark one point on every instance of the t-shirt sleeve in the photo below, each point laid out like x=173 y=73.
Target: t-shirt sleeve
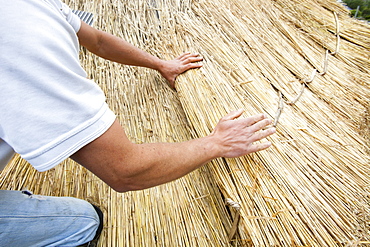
x=72 y=19
x=49 y=109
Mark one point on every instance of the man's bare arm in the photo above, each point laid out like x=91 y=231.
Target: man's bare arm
x=126 y=166
x=118 y=50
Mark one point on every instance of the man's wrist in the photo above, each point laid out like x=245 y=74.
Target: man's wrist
x=211 y=147
x=158 y=64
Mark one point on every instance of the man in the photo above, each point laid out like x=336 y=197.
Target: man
x=50 y=111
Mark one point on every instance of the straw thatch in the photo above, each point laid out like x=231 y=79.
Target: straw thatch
x=310 y=189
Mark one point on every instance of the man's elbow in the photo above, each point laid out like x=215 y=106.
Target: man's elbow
x=125 y=185
x=120 y=188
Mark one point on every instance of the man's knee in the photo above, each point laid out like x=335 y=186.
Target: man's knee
x=94 y=242
x=28 y=219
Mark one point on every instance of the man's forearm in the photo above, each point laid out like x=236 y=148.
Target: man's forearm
x=159 y=163
x=119 y=50
x=115 y=49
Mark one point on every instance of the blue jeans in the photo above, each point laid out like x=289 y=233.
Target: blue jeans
x=32 y=220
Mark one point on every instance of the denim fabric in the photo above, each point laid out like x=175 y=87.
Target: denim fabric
x=33 y=220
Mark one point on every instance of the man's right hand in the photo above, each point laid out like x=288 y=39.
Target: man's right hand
x=236 y=137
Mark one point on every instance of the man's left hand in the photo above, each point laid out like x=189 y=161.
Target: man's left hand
x=172 y=68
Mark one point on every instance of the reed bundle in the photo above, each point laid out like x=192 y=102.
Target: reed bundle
x=310 y=189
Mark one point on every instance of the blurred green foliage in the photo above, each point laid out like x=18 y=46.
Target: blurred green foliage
x=364 y=10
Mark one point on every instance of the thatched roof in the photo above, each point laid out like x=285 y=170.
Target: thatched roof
x=311 y=188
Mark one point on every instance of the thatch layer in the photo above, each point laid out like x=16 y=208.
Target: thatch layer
x=310 y=189
x=318 y=164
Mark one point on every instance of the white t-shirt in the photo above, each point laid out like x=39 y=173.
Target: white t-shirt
x=48 y=108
